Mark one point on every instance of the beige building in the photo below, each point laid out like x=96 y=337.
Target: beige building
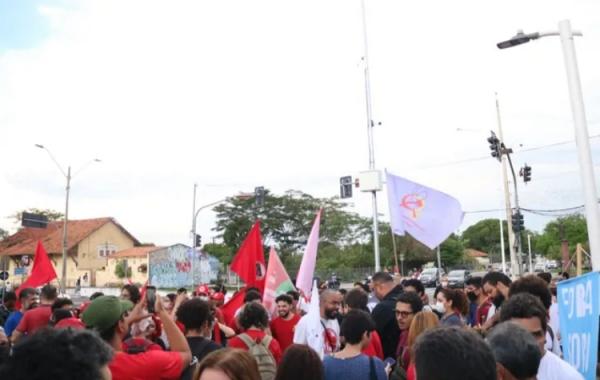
x=135 y=258
x=89 y=244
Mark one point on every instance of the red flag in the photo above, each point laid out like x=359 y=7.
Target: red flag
x=249 y=262
x=231 y=307
x=42 y=271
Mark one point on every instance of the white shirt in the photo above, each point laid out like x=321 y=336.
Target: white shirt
x=302 y=331
x=554 y=368
x=491 y=312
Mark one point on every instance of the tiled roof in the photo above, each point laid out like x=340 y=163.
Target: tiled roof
x=134 y=252
x=476 y=253
x=24 y=241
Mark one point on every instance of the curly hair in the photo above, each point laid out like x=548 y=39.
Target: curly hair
x=65 y=354
x=533 y=285
x=253 y=314
x=194 y=313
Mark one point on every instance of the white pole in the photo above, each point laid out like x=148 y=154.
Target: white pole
x=193 y=234
x=370 y=138
x=586 y=166
x=502 y=245
x=64 y=245
x=511 y=236
x=529 y=247
x=439 y=259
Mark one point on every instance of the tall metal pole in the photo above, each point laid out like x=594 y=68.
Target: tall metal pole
x=507 y=206
x=370 y=125
x=518 y=238
x=193 y=234
x=439 y=258
x=394 y=247
x=64 y=247
x=502 y=245
x=529 y=249
x=586 y=165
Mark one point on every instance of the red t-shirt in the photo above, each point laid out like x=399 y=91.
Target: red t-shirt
x=482 y=312
x=150 y=365
x=374 y=348
x=35 y=319
x=257 y=335
x=283 y=330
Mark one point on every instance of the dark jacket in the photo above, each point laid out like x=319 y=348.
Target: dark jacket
x=384 y=315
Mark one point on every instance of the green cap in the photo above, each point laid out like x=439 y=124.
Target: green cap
x=104 y=312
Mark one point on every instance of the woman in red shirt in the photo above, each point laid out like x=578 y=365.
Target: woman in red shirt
x=357 y=299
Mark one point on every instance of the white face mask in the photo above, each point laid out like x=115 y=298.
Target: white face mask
x=439 y=307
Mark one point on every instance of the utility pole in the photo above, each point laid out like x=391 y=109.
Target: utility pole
x=511 y=236
x=370 y=125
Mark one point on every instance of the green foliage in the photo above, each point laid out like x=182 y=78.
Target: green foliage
x=286 y=221
x=485 y=236
x=221 y=251
x=3 y=234
x=120 y=269
x=452 y=251
x=574 y=230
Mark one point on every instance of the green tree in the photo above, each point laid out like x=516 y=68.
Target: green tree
x=572 y=228
x=3 y=234
x=452 y=252
x=120 y=270
x=286 y=221
x=485 y=236
x=221 y=251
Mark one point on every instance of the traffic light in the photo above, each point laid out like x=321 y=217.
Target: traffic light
x=259 y=195
x=198 y=240
x=495 y=146
x=346 y=187
x=526 y=173
x=518 y=223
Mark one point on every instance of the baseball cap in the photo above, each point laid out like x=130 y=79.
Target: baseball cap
x=104 y=312
x=218 y=296
x=203 y=289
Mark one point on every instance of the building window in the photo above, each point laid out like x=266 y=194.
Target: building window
x=104 y=250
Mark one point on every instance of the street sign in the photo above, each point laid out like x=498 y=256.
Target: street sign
x=578 y=308
x=4 y=275
x=20 y=271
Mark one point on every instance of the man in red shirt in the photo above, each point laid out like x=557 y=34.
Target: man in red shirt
x=357 y=299
x=253 y=320
x=39 y=317
x=283 y=326
x=107 y=315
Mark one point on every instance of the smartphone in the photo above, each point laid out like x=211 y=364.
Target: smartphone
x=150 y=299
x=389 y=361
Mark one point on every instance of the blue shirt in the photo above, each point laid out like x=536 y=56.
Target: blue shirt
x=12 y=322
x=472 y=314
x=356 y=368
x=452 y=320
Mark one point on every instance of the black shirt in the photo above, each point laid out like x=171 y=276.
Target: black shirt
x=384 y=315
x=200 y=347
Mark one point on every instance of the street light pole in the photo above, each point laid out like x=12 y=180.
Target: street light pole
x=586 y=167
x=63 y=280
x=370 y=125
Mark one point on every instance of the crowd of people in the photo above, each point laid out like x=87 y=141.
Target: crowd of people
x=384 y=328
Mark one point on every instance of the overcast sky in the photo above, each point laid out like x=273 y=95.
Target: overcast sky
x=237 y=94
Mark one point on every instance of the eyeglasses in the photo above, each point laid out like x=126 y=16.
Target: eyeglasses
x=403 y=314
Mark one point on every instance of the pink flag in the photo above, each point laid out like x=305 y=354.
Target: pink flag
x=277 y=282
x=306 y=273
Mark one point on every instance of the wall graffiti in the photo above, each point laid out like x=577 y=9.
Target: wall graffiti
x=171 y=267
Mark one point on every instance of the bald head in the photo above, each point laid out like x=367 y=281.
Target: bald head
x=330 y=301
